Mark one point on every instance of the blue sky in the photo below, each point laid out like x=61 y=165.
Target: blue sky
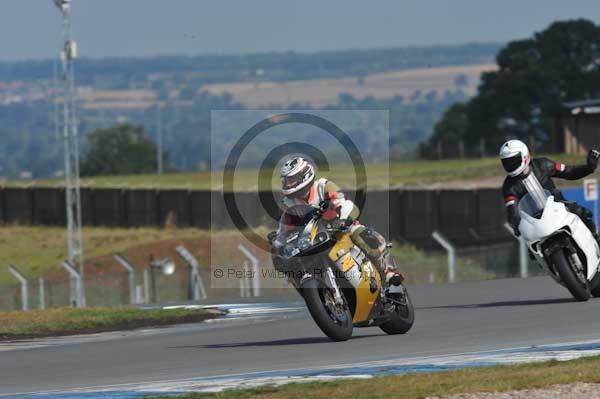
x=30 y=29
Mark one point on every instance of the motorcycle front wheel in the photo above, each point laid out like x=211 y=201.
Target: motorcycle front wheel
x=334 y=320
x=402 y=318
x=577 y=287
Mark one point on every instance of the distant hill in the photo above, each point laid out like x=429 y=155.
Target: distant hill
x=385 y=85
x=114 y=73
x=416 y=85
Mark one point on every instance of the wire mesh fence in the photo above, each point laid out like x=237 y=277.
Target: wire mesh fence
x=109 y=288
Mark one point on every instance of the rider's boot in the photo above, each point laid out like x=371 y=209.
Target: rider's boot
x=392 y=277
x=390 y=274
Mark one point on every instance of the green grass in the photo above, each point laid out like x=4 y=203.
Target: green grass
x=418 y=386
x=378 y=175
x=421 y=267
x=64 y=321
x=37 y=249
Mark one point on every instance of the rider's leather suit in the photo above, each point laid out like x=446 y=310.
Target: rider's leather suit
x=342 y=210
x=545 y=169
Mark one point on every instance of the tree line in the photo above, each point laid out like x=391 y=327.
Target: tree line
x=535 y=77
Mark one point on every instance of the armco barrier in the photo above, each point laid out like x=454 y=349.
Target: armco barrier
x=88 y=214
x=405 y=214
x=372 y=213
x=200 y=208
x=420 y=215
x=49 y=206
x=457 y=213
x=491 y=213
x=18 y=205
x=109 y=207
x=174 y=207
x=141 y=208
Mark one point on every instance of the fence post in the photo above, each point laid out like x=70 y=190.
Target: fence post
x=76 y=291
x=123 y=261
x=42 y=291
x=255 y=272
x=146 y=286
x=244 y=284
x=447 y=245
x=523 y=255
x=24 y=288
x=196 y=289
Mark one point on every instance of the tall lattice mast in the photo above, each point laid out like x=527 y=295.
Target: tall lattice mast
x=71 y=144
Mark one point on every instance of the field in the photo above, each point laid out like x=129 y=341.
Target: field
x=428 y=385
x=322 y=92
x=456 y=173
x=37 y=250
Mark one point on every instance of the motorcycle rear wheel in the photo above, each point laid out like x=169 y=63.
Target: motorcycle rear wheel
x=336 y=323
x=402 y=318
x=578 y=288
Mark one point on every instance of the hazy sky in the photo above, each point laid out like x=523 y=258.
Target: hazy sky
x=31 y=28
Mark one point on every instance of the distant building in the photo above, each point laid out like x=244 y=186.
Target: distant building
x=581 y=126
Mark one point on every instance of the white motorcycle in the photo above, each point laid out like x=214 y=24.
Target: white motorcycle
x=561 y=243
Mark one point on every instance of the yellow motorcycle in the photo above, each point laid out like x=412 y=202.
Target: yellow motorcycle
x=341 y=286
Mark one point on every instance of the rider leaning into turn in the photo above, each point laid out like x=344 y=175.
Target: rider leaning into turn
x=299 y=187
x=518 y=164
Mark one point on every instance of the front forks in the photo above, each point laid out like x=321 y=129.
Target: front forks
x=337 y=294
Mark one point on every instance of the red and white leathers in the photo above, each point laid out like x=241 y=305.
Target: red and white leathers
x=343 y=209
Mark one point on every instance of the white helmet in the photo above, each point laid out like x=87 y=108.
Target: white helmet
x=514 y=155
x=296 y=173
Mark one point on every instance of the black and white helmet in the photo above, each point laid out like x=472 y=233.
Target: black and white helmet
x=296 y=174
x=514 y=155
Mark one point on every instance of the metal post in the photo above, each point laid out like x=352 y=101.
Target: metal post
x=154 y=298
x=245 y=283
x=242 y=288
x=196 y=288
x=123 y=261
x=71 y=147
x=255 y=271
x=42 y=288
x=146 y=287
x=523 y=252
x=24 y=288
x=451 y=254
x=76 y=297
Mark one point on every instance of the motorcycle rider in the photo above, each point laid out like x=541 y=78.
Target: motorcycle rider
x=299 y=187
x=518 y=164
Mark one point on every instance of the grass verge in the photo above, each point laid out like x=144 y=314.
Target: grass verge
x=69 y=321
x=413 y=386
x=37 y=249
x=378 y=175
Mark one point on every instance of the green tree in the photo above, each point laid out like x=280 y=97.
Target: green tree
x=118 y=150
x=534 y=78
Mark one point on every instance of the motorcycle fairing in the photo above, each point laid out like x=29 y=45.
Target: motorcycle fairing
x=556 y=217
x=360 y=273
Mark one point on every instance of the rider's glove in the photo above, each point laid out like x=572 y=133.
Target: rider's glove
x=338 y=224
x=328 y=211
x=517 y=231
x=592 y=159
x=515 y=225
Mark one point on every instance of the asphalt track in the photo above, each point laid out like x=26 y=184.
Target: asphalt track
x=450 y=319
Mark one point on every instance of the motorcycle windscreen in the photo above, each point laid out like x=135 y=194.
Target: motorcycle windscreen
x=529 y=205
x=536 y=197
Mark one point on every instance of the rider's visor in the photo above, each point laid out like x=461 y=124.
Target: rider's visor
x=512 y=163
x=289 y=182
